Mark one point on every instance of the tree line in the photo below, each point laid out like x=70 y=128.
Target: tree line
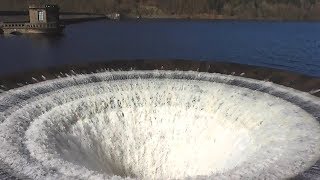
x=245 y=9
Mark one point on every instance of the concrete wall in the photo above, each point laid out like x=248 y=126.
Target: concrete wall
x=14 y=31
x=29 y=31
x=21 y=28
x=33 y=13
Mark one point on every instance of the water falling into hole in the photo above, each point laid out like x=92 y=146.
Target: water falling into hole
x=158 y=125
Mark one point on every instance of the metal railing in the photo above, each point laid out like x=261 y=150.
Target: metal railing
x=30 y=25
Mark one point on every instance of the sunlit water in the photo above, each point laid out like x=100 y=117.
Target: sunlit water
x=158 y=125
x=293 y=46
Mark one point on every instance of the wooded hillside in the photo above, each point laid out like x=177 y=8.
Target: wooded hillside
x=243 y=9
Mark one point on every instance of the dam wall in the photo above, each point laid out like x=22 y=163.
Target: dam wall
x=11 y=24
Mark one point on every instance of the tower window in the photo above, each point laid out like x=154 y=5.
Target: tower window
x=40 y=15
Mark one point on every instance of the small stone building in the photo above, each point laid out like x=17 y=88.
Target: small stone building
x=44 y=18
x=40 y=13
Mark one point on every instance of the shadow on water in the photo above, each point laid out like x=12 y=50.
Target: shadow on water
x=44 y=40
x=37 y=40
x=49 y=37
x=16 y=33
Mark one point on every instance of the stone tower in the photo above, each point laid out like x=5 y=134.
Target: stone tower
x=43 y=13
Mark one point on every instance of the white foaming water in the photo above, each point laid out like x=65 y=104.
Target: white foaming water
x=158 y=125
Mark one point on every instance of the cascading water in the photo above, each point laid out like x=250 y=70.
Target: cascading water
x=158 y=125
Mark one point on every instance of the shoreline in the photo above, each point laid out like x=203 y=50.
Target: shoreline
x=218 y=18
x=21 y=16
x=289 y=79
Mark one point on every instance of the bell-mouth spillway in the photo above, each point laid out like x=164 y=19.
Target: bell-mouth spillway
x=158 y=124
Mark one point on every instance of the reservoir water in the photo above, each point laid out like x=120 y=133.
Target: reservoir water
x=293 y=46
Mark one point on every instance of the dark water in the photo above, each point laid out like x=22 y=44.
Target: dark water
x=293 y=46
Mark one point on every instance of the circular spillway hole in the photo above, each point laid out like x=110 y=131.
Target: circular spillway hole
x=175 y=129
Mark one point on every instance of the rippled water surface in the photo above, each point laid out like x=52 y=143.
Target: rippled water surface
x=293 y=46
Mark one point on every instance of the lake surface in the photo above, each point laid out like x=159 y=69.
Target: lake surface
x=293 y=46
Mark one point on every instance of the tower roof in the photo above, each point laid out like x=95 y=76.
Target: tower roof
x=36 y=3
